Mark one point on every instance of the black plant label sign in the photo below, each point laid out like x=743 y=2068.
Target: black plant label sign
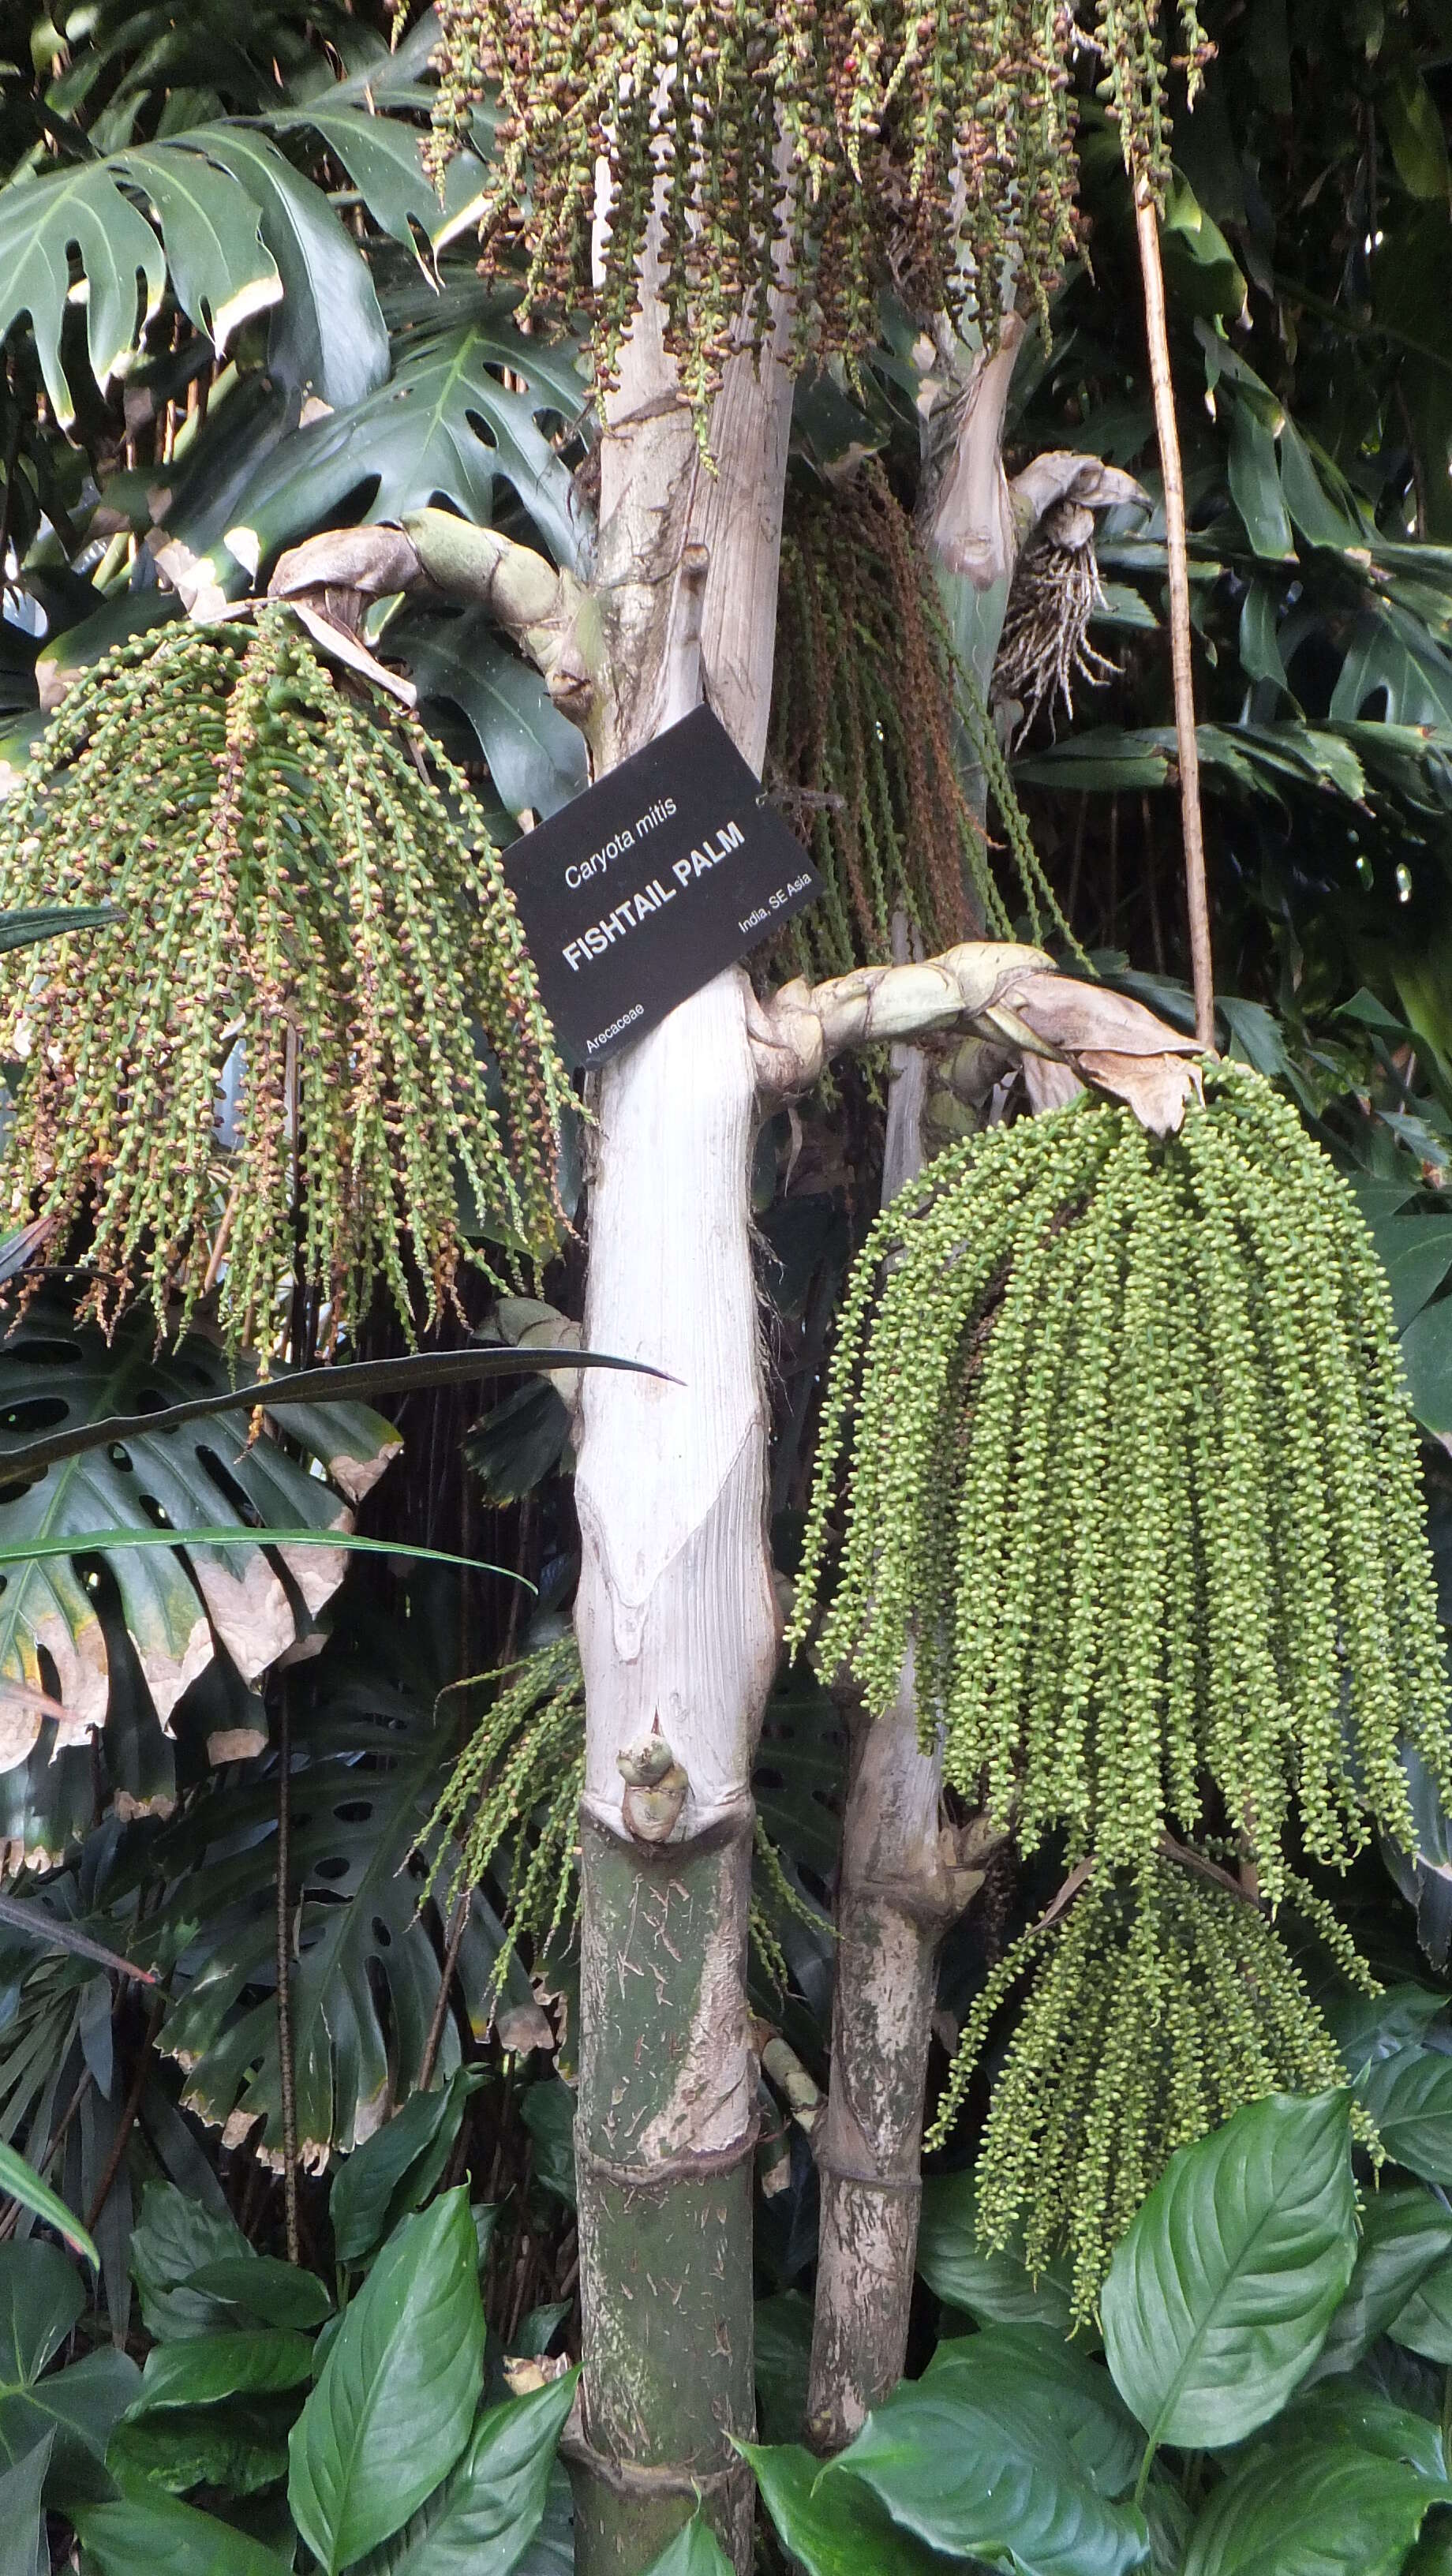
x=642 y=889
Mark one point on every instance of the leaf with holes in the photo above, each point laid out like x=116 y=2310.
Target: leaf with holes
x=177 y=1603
x=370 y=1760
x=211 y=227
x=442 y=429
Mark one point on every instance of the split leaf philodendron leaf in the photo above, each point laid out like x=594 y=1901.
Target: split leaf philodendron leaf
x=367 y=1973
x=65 y=1376
x=1309 y=2509
x=484 y=2519
x=391 y=2411
x=1220 y=2297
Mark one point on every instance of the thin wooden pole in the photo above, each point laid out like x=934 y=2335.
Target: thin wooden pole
x=1147 y=228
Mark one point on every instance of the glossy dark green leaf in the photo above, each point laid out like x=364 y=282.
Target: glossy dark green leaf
x=1255 y=484
x=1414 y=128
x=366 y=1980
x=1405 y=2235
x=1306 y=2509
x=174 y=2239
x=205 y=2368
x=1416 y=1254
x=485 y=2518
x=695 y=2551
x=239 y=2449
x=1427 y=1361
x=396 y=2168
x=1342 y=2413
x=536 y=757
x=1035 y=2369
x=441 y=430
x=548 y=2112
x=392 y=2409
x=80 y=2407
x=1409 y=2095
x=280 y=2294
x=327 y=335
x=1424 y=2321
x=1018 y=2452
x=23 y=2547
x=1365 y=2027
x=157 y=2536
x=995 y=2289
x=1220 y=2296
x=833 y=2525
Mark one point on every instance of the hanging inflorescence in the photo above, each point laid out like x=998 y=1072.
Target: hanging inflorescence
x=516 y=1789
x=1131 y=1459
x=274 y=1070
x=1126 y=38
x=819 y=147
x=862 y=755
x=1160 y=2001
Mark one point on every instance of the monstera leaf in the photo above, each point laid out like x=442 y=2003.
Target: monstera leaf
x=177 y=1603
x=370 y=1758
x=442 y=429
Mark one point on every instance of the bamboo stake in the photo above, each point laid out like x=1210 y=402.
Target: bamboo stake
x=1146 y=222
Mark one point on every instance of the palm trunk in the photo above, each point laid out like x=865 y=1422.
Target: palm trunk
x=676 y=1615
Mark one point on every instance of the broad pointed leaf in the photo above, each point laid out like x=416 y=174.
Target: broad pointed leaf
x=172 y=2240
x=23 y=2546
x=1220 y=2296
x=1409 y=2095
x=1405 y=2236
x=156 y=2535
x=695 y=2551
x=1013 y=2447
x=1311 y=2510
x=391 y=2412
x=994 y=2289
x=536 y=757
x=281 y=2294
x=395 y=2169
x=485 y=2518
x=40 y=2300
x=833 y=2525
x=206 y=2368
